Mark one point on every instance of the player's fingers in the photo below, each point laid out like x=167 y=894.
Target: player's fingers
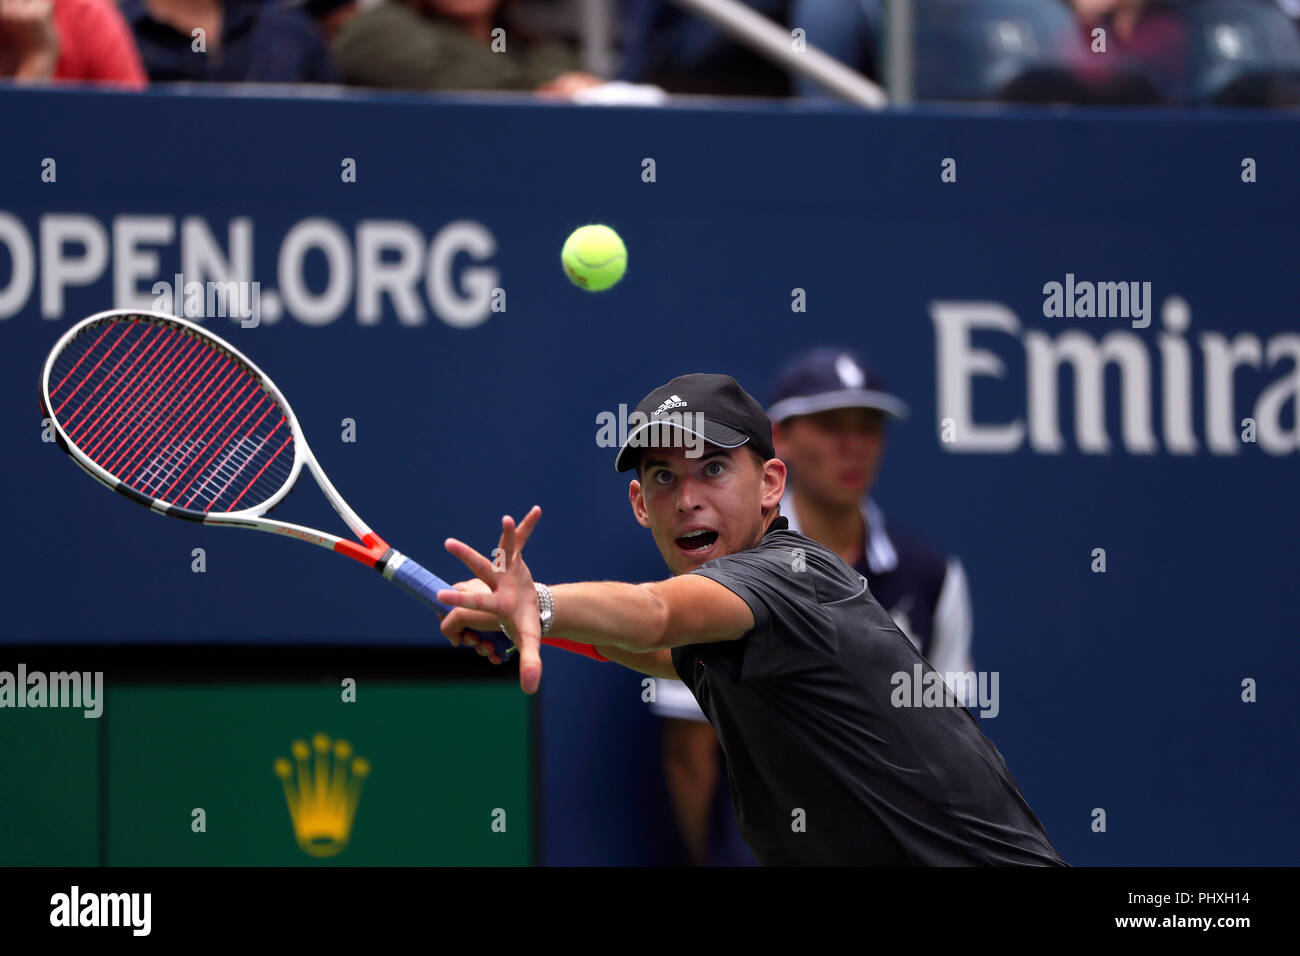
x=471 y=600
x=526 y=527
x=508 y=538
x=455 y=633
x=453 y=637
x=473 y=584
x=466 y=621
x=483 y=622
x=466 y=637
x=480 y=565
x=468 y=617
x=530 y=673
x=530 y=660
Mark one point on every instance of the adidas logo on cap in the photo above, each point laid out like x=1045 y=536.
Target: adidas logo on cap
x=673 y=401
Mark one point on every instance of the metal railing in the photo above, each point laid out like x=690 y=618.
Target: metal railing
x=771 y=40
x=750 y=28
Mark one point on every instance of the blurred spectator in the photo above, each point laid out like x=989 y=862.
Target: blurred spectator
x=452 y=45
x=683 y=53
x=849 y=30
x=84 y=41
x=330 y=15
x=1146 y=41
x=241 y=41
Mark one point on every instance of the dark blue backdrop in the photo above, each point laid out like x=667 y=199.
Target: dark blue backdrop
x=1119 y=690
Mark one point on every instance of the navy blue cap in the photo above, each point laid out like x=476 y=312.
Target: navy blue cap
x=826 y=378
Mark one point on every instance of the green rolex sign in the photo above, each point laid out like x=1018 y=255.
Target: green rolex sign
x=283 y=774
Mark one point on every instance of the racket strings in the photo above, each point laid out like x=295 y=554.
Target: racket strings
x=172 y=415
x=157 y=430
x=128 y=392
x=141 y=414
x=138 y=416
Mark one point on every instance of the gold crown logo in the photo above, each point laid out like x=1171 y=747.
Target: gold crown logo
x=323 y=792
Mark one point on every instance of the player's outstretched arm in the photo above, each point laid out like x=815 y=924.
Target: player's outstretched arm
x=642 y=618
x=460 y=629
x=640 y=623
x=654 y=664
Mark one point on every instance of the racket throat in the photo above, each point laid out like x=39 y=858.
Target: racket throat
x=373 y=551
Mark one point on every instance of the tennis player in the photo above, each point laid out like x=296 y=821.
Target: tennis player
x=795 y=664
x=829 y=411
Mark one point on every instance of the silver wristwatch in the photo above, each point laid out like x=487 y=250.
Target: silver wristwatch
x=546 y=607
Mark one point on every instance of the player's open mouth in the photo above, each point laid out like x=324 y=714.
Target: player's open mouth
x=697 y=541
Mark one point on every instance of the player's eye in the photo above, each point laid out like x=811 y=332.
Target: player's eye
x=714 y=464
x=662 y=476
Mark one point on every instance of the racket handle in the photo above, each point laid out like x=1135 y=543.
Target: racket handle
x=424 y=585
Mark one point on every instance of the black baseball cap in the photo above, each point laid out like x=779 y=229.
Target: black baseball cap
x=826 y=378
x=712 y=407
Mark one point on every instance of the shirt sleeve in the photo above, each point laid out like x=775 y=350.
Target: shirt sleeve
x=779 y=585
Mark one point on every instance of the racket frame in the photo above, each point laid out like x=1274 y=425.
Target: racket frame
x=369 y=549
x=254 y=516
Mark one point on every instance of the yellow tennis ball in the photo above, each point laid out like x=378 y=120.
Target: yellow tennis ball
x=594 y=257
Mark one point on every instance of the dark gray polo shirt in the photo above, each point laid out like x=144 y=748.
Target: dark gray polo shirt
x=824 y=769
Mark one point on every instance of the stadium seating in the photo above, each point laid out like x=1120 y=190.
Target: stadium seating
x=1243 y=53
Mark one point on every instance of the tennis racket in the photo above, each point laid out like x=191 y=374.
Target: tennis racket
x=173 y=417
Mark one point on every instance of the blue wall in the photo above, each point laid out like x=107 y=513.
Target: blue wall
x=1119 y=690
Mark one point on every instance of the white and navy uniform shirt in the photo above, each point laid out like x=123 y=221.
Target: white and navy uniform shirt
x=812 y=732
x=924 y=592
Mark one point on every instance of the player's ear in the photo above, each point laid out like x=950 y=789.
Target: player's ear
x=637 y=500
x=774 y=474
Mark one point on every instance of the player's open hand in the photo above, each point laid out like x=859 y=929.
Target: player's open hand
x=510 y=596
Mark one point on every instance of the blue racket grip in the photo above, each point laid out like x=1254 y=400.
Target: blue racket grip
x=425 y=585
